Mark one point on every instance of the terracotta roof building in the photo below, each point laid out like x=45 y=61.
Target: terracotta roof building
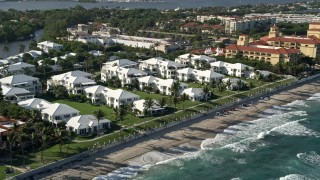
x=265 y=53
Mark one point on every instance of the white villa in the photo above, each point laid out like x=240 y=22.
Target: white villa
x=15 y=95
x=233 y=83
x=47 y=45
x=253 y=75
x=35 y=103
x=161 y=67
x=206 y=76
x=158 y=84
x=18 y=68
x=74 y=81
x=126 y=75
x=29 y=83
x=139 y=108
x=87 y=124
x=113 y=98
x=56 y=113
x=194 y=60
x=196 y=94
x=237 y=69
x=125 y=63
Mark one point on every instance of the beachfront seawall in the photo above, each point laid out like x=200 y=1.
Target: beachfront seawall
x=58 y=165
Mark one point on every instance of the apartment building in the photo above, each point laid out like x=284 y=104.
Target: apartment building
x=29 y=83
x=125 y=75
x=162 y=86
x=161 y=67
x=74 y=81
x=237 y=69
x=194 y=60
x=206 y=76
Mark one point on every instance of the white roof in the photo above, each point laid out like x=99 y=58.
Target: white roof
x=131 y=71
x=59 y=109
x=35 y=103
x=11 y=91
x=193 y=92
x=203 y=58
x=32 y=53
x=120 y=94
x=49 y=44
x=80 y=80
x=147 y=79
x=121 y=63
x=139 y=105
x=208 y=74
x=17 y=79
x=185 y=71
x=71 y=74
x=98 y=89
x=96 y=53
x=19 y=66
x=85 y=121
x=163 y=62
x=230 y=65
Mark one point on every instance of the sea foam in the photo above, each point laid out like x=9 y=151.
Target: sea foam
x=310 y=158
x=240 y=137
x=294 y=177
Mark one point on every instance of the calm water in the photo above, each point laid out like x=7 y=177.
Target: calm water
x=284 y=143
x=169 y=4
x=14 y=46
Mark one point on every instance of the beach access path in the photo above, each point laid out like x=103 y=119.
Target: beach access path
x=192 y=132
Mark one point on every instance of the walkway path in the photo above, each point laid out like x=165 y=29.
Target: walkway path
x=192 y=107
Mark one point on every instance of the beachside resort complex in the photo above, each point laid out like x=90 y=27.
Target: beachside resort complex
x=96 y=85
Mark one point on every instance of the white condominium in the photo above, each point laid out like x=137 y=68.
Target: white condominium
x=74 y=81
x=237 y=69
x=194 y=60
x=161 y=67
x=206 y=76
x=163 y=86
x=29 y=83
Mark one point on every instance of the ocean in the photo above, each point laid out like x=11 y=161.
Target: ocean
x=283 y=143
x=168 y=4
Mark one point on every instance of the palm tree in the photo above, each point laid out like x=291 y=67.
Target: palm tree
x=22 y=47
x=5 y=49
x=162 y=103
x=175 y=88
x=33 y=137
x=60 y=136
x=175 y=101
x=22 y=140
x=251 y=85
x=11 y=139
x=228 y=84
x=183 y=98
x=119 y=113
x=205 y=91
x=44 y=145
x=197 y=63
x=130 y=109
x=71 y=135
x=239 y=84
x=148 y=103
x=98 y=114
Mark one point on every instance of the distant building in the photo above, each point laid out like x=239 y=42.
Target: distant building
x=47 y=45
x=29 y=83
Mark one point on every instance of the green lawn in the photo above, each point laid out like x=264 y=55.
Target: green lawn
x=52 y=153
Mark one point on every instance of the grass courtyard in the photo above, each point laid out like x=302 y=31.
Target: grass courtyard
x=52 y=154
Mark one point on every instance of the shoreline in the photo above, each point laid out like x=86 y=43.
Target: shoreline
x=192 y=133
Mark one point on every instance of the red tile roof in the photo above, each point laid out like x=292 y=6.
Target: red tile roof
x=264 y=50
x=295 y=40
x=190 y=25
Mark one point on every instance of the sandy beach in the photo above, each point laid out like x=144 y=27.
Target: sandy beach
x=192 y=133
